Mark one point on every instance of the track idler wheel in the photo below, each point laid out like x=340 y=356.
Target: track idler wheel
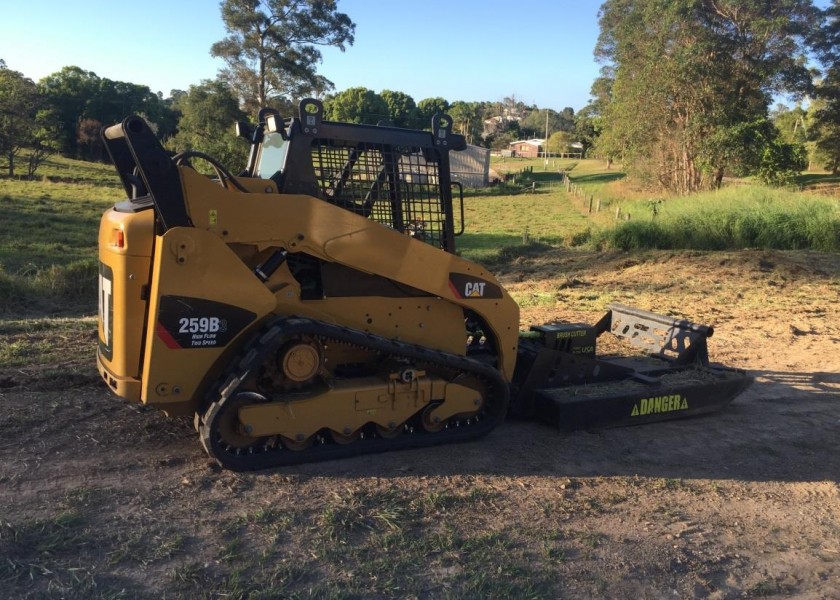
x=223 y=434
x=430 y=421
x=296 y=364
x=300 y=361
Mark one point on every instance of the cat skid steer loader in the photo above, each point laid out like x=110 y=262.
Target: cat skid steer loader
x=313 y=306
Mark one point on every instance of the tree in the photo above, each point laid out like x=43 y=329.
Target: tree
x=68 y=92
x=89 y=141
x=502 y=140
x=76 y=95
x=270 y=50
x=506 y=131
x=824 y=112
x=534 y=124
x=511 y=108
x=685 y=72
x=791 y=123
x=825 y=130
x=402 y=110
x=44 y=141
x=781 y=162
x=558 y=142
x=209 y=112
x=356 y=105
x=19 y=104
x=589 y=120
x=427 y=108
x=468 y=119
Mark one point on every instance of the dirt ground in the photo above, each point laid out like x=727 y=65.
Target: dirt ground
x=100 y=499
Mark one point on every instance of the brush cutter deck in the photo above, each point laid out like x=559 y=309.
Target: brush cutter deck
x=561 y=380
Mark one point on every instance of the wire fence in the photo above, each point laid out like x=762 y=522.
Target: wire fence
x=584 y=199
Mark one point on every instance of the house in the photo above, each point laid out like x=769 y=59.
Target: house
x=527 y=148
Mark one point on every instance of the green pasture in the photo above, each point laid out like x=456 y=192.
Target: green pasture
x=49 y=234
x=493 y=223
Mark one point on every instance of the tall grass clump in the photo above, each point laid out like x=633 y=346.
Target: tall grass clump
x=51 y=289
x=733 y=218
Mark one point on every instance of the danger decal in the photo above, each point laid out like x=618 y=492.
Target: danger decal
x=659 y=404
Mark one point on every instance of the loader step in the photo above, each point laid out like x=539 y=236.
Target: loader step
x=636 y=401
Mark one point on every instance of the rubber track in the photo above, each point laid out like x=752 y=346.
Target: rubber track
x=275 y=333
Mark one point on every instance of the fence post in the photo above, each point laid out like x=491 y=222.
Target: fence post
x=618 y=212
x=591 y=198
x=598 y=206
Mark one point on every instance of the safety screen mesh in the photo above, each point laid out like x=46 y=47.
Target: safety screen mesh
x=393 y=185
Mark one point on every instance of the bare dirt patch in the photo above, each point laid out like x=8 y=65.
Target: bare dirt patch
x=101 y=499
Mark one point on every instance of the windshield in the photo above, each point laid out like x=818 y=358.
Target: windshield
x=272 y=155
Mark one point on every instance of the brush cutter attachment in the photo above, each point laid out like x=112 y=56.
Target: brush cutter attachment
x=653 y=368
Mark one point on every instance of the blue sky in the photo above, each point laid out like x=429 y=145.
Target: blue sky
x=539 y=51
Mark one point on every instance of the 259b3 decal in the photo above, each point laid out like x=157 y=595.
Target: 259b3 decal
x=185 y=322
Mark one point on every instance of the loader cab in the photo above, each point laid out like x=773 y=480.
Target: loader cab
x=397 y=177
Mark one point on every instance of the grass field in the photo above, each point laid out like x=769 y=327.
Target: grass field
x=48 y=238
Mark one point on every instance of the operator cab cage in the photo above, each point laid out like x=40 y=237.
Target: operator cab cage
x=397 y=177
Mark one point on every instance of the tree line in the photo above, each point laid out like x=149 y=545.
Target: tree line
x=686 y=89
x=65 y=111
x=683 y=100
